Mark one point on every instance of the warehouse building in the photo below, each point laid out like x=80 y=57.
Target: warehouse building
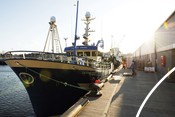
x=158 y=54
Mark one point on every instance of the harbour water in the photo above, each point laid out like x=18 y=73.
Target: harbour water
x=14 y=100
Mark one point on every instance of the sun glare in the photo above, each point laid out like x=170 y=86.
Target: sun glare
x=138 y=24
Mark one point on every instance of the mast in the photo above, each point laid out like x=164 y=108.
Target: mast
x=87 y=21
x=75 y=38
x=53 y=37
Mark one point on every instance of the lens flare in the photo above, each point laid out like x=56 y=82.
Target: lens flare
x=169 y=25
x=165 y=25
x=45 y=75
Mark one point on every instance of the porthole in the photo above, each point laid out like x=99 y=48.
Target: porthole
x=26 y=78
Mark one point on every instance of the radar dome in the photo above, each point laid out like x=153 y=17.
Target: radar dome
x=87 y=15
x=53 y=19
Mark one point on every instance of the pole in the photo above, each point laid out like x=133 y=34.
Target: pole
x=75 y=38
x=53 y=31
x=44 y=50
x=155 y=53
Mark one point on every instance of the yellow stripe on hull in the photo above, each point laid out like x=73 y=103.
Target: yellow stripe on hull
x=46 y=64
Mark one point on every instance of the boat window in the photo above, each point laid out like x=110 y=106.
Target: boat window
x=80 y=53
x=71 y=53
x=93 y=53
x=86 y=53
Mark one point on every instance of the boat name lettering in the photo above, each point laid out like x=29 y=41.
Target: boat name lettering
x=90 y=73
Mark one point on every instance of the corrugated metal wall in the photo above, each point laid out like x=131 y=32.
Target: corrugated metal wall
x=162 y=44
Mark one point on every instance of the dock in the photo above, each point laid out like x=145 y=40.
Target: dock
x=122 y=96
x=98 y=106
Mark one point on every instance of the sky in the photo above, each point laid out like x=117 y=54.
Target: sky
x=121 y=23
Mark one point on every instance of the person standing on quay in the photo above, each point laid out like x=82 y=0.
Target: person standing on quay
x=133 y=68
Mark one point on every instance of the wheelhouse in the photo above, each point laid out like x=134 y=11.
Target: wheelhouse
x=87 y=52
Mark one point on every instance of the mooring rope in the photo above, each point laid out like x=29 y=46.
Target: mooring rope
x=64 y=83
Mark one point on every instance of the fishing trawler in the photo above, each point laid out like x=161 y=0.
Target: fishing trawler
x=56 y=80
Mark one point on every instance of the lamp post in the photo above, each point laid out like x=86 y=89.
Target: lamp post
x=112 y=41
x=65 y=41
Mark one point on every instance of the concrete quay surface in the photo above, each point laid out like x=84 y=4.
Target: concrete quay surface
x=98 y=106
x=123 y=95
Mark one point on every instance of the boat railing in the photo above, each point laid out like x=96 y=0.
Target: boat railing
x=93 y=63
x=59 y=57
x=36 y=55
x=104 y=65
